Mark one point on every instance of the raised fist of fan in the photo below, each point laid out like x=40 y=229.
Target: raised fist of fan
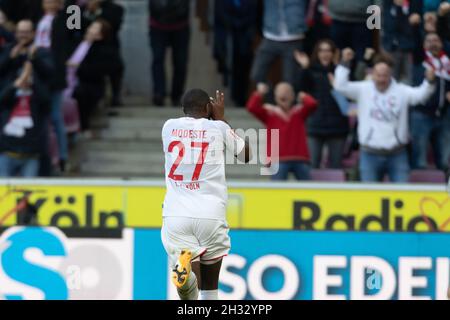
x=262 y=89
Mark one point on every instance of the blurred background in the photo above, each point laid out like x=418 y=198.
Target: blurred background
x=113 y=114
x=358 y=210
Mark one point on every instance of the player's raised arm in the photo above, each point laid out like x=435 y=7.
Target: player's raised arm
x=240 y=147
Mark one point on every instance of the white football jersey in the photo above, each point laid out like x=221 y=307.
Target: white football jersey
x=195 y=167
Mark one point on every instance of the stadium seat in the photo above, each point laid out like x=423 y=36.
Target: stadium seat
x=329 y=175
x=427 y=176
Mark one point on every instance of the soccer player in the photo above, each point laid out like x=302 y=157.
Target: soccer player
x=195 y=231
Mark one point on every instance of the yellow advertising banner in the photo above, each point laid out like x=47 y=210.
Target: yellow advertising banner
x=359 y=210
x=86 y=206
x=303 y=208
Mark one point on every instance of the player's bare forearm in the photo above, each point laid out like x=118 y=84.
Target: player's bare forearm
x=246 y=155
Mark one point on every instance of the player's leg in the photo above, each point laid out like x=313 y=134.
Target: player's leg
x=183 y=250
x=196 y=271
x=213 y=236
x=209 y=272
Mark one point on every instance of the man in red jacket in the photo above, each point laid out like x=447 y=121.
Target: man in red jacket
x=290 y=120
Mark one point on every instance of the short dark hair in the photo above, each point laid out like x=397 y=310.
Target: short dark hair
x=195 y=100
x=384 y=58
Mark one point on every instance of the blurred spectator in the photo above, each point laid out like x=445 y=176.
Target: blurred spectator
x=52 y=34
x=319 y=21
x=24 y=104
x=400 y=17
x=235 y=22
x=327 y=126
x=113 y=14
x=284 y=30
x=169 y=28
x=431 y=121
x=290 y=121
x=91 y=62
x=443 y=23
x=108 y=10
x=383 y=118
x=6 y=36
x=17 y=10
x=24 y=111
x=349 y=27
x=14 y=56
x=430 y=22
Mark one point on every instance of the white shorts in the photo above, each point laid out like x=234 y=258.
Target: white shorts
x=207 y=239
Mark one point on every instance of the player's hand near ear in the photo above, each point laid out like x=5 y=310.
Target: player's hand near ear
x=218 y=106
x=218 y=114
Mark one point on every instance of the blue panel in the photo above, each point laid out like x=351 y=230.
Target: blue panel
x=150 y=266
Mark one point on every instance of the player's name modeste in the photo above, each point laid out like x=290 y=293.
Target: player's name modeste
x=191 y=134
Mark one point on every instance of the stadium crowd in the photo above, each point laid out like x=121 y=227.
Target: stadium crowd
x=52 y=77
x=322 y=77
x=396 y=80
